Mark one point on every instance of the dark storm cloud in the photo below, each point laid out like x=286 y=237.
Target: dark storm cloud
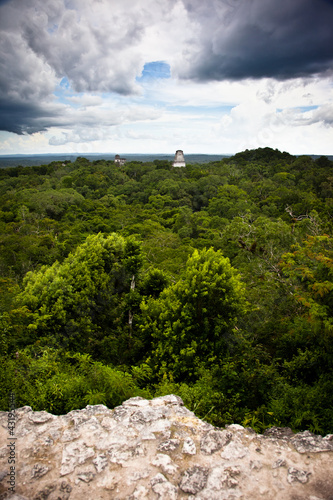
x=91 y=43
x=27 y=118
x=255 y=38
x=101 y=46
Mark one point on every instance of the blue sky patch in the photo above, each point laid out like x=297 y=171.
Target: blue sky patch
x=304 y=109
x=154 y=70
x=53 y=29
x=64 y=83
x=63 y=91
x=301 y=109
x=212 y=110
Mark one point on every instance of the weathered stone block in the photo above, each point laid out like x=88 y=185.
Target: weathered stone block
x=159 y=450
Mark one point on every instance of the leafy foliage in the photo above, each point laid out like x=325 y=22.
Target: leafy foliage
x=77 y=299
x=192 y=321
x=58 y=381
x=212 y=281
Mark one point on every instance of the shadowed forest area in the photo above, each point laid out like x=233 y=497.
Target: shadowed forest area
x=212 y=282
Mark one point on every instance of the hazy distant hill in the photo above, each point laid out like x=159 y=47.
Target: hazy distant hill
x=29 y=160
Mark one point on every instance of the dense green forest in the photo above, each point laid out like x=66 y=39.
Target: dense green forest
x=213 y=282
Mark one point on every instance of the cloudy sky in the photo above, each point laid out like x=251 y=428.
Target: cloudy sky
x=153 y=76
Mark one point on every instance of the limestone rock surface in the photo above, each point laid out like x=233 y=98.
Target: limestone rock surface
x=157 y=450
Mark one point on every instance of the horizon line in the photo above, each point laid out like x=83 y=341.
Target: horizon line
x=111 y=154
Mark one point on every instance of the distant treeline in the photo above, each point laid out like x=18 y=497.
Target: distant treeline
x=32 y=160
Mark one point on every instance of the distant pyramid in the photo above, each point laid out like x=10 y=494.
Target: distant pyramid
x=179 y=160
x=119 y=161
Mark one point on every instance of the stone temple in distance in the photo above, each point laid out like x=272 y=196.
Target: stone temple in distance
x=179 y=160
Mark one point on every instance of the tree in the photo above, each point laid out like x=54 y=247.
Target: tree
x=192 y=322
x=82 y=299
x=306 y=348
x=310 y=266
x=230 y=202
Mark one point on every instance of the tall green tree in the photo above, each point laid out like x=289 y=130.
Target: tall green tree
x=83 y=298
x=192 y=322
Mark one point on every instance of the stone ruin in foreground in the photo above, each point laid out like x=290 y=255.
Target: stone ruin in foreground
x=158 y=450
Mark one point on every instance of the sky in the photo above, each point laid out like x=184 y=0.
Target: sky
x=154 y=76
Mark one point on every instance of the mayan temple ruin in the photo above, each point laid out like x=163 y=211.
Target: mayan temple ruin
x=119 y=161
x=179 y=160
